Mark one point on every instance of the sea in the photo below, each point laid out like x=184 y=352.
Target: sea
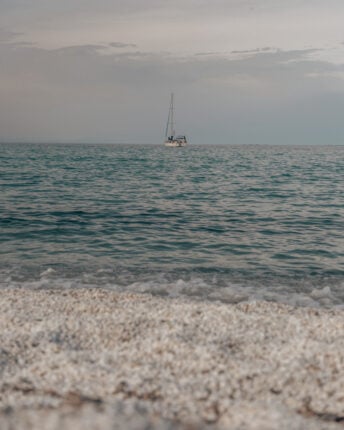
x=226 y=223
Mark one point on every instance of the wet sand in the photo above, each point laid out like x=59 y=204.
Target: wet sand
x=96 y=359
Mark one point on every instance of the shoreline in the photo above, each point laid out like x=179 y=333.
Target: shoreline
x=138 y=361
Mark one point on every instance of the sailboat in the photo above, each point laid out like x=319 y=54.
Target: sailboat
x=171 y=139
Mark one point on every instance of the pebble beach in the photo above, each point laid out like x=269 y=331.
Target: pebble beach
x=98 y=359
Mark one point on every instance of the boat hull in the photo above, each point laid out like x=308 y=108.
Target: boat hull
x=175 y=143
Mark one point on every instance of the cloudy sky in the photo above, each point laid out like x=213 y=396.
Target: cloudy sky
x=243 y=71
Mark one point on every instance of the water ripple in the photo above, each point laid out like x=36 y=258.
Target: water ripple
x=274 y=214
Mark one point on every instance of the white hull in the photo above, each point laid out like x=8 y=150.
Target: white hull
x=175 y=143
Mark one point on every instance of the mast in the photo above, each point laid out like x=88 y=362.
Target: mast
x=170 y=120
x=172 y=114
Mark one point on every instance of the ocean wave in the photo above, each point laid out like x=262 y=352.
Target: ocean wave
x=328 y=293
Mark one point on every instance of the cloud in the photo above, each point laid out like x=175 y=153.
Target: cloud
x=74 y=65
x=206 y=54
x=254 y=51
x=122 y=45
x=7 y=36
x=78 y=50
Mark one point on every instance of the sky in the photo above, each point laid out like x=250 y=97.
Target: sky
x=242 y=71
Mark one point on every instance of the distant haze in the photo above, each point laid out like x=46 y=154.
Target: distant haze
x=243 y=71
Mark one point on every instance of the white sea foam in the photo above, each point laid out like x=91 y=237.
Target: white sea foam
x=296 y=294
x=47 y=273
x=322 y=293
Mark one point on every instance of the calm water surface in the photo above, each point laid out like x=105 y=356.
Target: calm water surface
x=230 y=223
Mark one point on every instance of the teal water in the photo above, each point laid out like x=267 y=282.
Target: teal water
x=229 y=223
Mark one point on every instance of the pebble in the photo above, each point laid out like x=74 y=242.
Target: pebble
x=97 y=359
